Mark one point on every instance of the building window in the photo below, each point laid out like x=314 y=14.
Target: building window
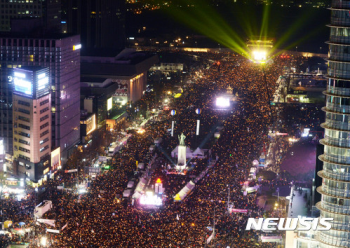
x=44 y=148
x=23 y=126
x=44 y=118
x=44 y=133
x=45 y=125
x=23 y=142
x=44 y=102
x=24 y=157
x=23 y=103
x=46 y=171
x=24 y=134
x=44 y=110
x=24 y=150
x=43 y=141
x=24 y=111
x=23 y=118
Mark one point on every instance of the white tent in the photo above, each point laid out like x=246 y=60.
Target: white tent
x=185 y=191
x=139 y=188
x=199 y=152
x=42 y=208
x=188 y=152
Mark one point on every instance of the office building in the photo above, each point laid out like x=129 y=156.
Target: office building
x=61 y=54
x=107 y=82
x=335 y=189
x=31 y=121
x=100 y=23
x=47 y=12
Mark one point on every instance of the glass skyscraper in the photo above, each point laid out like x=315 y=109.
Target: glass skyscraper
x=335 y=189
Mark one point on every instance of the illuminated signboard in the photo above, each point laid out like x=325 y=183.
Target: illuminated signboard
x=56 y=159
x=42 y=84
x=223 y=102
x=76 y=47
x=31 y=81
x=109 y=103
x=23 y=82
x=305 y=132
x=90 y=124
x=150 y=199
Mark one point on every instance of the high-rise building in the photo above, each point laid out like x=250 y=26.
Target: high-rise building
x=31 y=120
x=48 y=12
x=335 y=189
x=61 y=54
x=100 y=23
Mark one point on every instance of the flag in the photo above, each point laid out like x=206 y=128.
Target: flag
x=177 y=217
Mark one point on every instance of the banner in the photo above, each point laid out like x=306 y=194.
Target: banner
x=64 y=226
x=211 y=237
x=71 y=171
x=236 y=210
x=52 y=230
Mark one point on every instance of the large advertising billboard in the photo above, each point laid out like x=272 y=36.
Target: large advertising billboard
x=91 y=124
x=23 y=82
x=30 y=81
x=55 y=159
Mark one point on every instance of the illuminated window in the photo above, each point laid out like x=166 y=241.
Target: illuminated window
x=46 y=171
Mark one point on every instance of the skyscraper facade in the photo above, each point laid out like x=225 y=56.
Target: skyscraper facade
x=32 y=120
x=335 y=189
x=100 y=23
x=49 y=11
x=61 y=54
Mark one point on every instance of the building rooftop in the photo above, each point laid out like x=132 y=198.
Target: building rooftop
x=128 y=63
x=33 y=35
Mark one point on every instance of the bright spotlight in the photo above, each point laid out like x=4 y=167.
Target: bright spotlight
x=223 y=102
x=259 y=56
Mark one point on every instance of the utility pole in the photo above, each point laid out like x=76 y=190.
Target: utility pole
x=228 y=199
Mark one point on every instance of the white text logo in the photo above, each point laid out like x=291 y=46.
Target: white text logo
x=289 y=224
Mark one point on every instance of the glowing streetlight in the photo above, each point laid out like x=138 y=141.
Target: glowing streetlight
x=198 y=111
x=172 y=112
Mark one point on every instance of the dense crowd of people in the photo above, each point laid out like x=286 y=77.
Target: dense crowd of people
x=102 y=218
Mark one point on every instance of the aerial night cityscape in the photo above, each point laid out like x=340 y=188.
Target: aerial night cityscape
x=175 y=123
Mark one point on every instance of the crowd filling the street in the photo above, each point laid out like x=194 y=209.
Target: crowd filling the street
x=102 y=217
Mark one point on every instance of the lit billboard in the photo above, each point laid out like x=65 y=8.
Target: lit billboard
x=31 y=82
x=110 y=103
x=55 y=159
x=91 y=124
x=23 y=82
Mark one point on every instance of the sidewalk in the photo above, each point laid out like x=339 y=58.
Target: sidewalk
x=298 y=204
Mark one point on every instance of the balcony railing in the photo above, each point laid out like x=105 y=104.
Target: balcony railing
x=343 y=176
x=338 y=73
x=340 y=125
x=333 y=207
x=339 y=4
x=338 y=108
x=336 y=191
x=338 y=91
x=335 y=241
x=337 y=142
